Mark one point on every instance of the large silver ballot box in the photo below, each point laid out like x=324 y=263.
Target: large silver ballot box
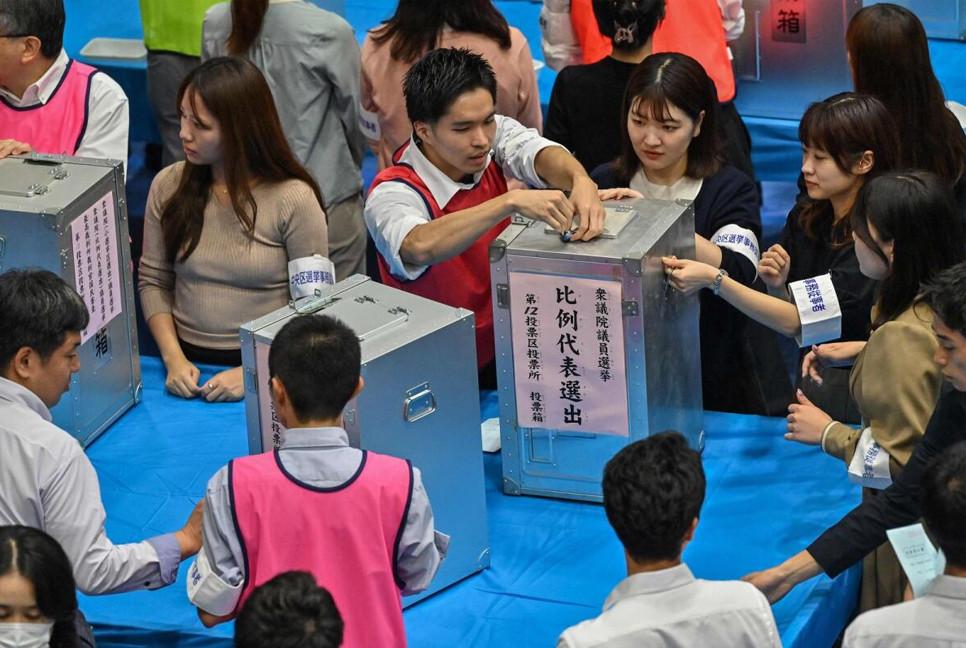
x=420 y=401
x=69 y=215
x=594 y=350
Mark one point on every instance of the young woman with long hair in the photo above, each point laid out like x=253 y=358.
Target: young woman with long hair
x=418 y=26
x=221 y=227
x=38 y=600
x=670 y=151
x=310 y=59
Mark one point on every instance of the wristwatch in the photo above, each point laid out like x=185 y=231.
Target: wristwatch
x=716 y=286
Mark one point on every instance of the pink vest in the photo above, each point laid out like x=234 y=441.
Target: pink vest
x=464 y=280
x=346 y=536
x=57 y=126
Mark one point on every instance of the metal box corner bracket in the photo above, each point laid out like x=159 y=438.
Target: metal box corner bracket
x=594 y=351
x=412 y=406
x=69 y=215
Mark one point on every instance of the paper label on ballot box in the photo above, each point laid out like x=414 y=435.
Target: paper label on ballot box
x=97 y=276
x=568 y=353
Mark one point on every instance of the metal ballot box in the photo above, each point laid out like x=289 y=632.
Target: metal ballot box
x=420 y=401
x=594 y=350
x=791 y=53
x=69 y=215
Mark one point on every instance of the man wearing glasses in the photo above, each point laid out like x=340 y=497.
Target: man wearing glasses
x=48 y=102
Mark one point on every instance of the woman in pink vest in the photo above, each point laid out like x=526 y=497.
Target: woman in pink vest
x=224 y=230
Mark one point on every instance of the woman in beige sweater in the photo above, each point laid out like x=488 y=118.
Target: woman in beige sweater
x=906 y=229
x=221 y=228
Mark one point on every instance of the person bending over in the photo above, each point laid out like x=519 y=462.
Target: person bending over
x=263 y=511
x=936 y=619
x=864 y=528
x=653 y=492
x=50 y=103
x=46 y=481
x=289 y=610
x=434 y=212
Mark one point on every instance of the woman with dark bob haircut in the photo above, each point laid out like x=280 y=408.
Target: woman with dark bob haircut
x=38 y=601
x=670 y=151
x=221 y=228
x=889 y=55
x=846 y=140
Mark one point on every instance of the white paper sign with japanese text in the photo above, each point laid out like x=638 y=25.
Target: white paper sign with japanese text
x=96 y=272
x=568 y=353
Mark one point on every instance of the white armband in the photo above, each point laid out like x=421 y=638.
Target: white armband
x=208 y=591
x=369 y=124
x=818 y=309
x=308 y=274
x=870 y=463
x=740 y=240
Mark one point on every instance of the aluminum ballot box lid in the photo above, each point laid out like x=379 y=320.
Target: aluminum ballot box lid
x=420 y=401
x=593 y=349
x=69 y=215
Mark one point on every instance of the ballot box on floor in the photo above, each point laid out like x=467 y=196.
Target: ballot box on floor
x=594 y=349
x=420 y=401
x=791 y=53
x=69 y=215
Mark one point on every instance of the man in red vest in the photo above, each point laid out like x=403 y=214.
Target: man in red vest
x=360 y=522
x=434 y=212
x=48 y=102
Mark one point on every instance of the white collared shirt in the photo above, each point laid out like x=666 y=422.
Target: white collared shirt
x=671 y=609
x=936 y=620
x=48 y=483
x=394 y=209
x=106 y=135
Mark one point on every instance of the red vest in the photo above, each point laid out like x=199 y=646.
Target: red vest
x=464 y=280
x=345 y=536
x=693 y=27
x=57 y=126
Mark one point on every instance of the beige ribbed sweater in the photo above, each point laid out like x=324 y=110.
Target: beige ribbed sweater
x=231 y=278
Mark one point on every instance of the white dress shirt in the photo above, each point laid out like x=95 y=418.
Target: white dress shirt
x=936 y=620
x=107 y=115
x=47 y=482
x=322 y=458
x=393 y=209
x=671 y=609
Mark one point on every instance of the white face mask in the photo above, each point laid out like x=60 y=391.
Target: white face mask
x=25 y=635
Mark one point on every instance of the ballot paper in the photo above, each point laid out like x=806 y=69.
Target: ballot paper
x=920 y=560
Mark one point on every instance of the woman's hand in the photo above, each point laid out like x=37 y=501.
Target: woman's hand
x=806 y=422
x=618 y=193
x=182 y=379
x=229 y=385
x=688 y=276
x=773 y=267
x=835 y=354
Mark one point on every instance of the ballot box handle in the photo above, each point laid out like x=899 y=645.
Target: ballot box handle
x=419 y=403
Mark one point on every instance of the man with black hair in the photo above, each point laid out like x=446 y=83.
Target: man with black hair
x=937 y=619
x=864 y=528
x=376 y=538
x=434 y=213
x=46 y=480
x=289 y=610
x=49 y=102
x=653 y=492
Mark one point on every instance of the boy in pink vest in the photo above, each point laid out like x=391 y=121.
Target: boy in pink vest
x=434 y=212
x=360 y=522
x=48 y=102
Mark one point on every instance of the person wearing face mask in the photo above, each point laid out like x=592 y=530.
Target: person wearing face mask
x=38 y=602
x=670 y=151
x=906 y=230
